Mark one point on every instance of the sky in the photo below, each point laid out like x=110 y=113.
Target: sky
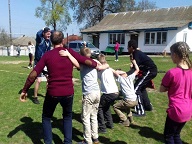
x=24 y=22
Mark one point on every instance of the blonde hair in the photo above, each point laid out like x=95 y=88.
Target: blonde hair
x=182 y=50
x=85 y=52
x=101 y=58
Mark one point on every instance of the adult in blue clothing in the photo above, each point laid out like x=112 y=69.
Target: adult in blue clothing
x=149 y=71
x=43 y=44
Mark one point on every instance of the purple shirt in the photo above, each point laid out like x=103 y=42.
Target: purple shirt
x=59 y=72
x=179 y=84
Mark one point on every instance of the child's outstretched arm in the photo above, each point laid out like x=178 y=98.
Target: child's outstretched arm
x=73 y=60
x=136 y=66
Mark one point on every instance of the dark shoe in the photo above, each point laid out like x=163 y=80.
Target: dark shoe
x=149 y=107
x=96 y=141
x=102 y=130
x=110 y=127
x=82 y=142
x=125 y=123
x=137 y=115
x=36 y=101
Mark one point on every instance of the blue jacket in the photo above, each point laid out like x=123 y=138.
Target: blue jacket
x=42 y=46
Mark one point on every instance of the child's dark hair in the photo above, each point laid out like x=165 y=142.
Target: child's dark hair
x=182 y=50
x=133 y=43
x=101 y=58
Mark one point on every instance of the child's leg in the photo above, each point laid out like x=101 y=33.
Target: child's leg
x=110 y=98
x=93 y=116
x=172 y=131
x=86 y=111
x=100 y=115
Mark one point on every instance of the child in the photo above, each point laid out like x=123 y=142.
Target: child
x=178 y=82
x=149 y=71
x=130 y=98
x=90 y=101
x=110 y=93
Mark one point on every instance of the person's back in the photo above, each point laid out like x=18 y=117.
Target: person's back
x=127 y=86
x=108 y=84
x=59 y=73
x=89 y=79
x=144 y=62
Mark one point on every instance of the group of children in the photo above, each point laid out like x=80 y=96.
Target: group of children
x=96 y=115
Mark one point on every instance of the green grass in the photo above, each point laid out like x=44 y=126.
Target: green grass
x=20 y=123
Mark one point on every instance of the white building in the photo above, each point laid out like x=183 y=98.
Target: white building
x=155 y=30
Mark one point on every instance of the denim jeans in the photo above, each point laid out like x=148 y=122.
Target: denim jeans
x=172 y=131
x=49 y=106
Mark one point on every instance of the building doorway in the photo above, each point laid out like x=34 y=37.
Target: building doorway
x=134 y=37
x=96 y=40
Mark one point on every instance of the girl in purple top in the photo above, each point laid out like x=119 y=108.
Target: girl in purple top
x=178 y=82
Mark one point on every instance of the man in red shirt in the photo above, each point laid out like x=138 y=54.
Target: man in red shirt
x=60 y=86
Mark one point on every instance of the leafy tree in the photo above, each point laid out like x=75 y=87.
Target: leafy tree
x=54 y=13
x=4 y=37
x=91 y=12
x=146 y=4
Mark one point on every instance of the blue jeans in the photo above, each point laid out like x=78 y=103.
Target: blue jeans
x=49 y=106
x=172 y=131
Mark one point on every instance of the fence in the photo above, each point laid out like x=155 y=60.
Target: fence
x=8 y=51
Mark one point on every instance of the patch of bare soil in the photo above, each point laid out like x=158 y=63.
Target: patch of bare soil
x=11 y=62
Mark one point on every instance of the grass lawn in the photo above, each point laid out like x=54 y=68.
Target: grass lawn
x=20 y=123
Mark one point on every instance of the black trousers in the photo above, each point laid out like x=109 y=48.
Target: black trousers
x=104 y=113
x=140 y=90
x=172 y=131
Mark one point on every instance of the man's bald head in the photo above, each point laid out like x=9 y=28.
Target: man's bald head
x=57 y=37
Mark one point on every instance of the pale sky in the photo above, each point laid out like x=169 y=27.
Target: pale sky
x=24 y=22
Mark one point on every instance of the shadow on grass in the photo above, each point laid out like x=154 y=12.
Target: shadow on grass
x=31 y=129
x=150 y=133
x=30 y=93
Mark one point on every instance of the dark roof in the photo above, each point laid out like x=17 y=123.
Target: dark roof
x=146 y=19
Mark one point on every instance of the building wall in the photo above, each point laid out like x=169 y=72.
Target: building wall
x=172 y=37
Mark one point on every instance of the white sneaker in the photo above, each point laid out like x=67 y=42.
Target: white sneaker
x=117 y=60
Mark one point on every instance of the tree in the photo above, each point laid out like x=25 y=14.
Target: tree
x=4 y=37
x=145 y=4
x=91 y=12
x=54 y=13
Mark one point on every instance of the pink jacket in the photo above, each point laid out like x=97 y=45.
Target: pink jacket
x=117 y=46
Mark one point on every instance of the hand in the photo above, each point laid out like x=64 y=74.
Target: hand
x=64 y=53
x=23 y=97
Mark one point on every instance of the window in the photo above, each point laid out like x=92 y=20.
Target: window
x=158 y=38
x=120 y=37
